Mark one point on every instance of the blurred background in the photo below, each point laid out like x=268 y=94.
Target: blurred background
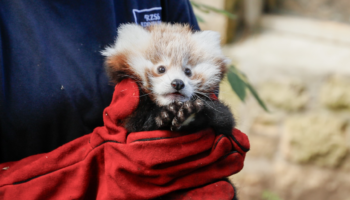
x=296 y=53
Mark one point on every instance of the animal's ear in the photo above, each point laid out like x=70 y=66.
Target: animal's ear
x=209 y=40
x=117 y=67
x=131 y=41
x=131 y=37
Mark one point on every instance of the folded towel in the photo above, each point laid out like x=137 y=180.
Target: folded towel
x=110 y=163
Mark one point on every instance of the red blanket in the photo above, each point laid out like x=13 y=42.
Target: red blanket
x=111 y=164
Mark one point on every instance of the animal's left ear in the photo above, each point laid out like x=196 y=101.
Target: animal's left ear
x=210 y=40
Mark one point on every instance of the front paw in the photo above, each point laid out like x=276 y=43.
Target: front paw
x=167 y=114
x=186 y=111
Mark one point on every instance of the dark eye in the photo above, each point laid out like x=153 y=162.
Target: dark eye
x=161 y=69
x=188 y=72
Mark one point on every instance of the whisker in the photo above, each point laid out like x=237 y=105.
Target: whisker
x=208 y=104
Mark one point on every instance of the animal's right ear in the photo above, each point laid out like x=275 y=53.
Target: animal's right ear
x=131 y=40
x=117 y=67
x=131 y=37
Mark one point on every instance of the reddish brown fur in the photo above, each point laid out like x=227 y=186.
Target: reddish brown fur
x=118 y=68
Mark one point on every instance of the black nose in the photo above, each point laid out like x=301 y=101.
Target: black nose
x=177 y=84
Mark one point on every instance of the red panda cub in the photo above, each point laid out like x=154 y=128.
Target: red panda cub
x=177 y=72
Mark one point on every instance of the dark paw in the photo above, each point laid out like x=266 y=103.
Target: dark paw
x=167 y=114
x=186 y=111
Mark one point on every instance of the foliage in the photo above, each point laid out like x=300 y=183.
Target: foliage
x=239 y=84
x=238 y=81
x=207 y=9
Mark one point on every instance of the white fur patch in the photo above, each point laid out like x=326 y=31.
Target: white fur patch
x=162 y=86
x=210 y=72
x=208 y=40
x=131 y=37
x=139 y=65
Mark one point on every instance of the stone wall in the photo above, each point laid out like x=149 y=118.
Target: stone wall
x=300 y=149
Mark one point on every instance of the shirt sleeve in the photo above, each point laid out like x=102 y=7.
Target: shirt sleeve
x=179 y=11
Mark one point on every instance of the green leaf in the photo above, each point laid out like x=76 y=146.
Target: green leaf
x=200 y=7
x=224 y=12
x=244 y=79
x=199 y=19
x=237 y=84
x=256 y=96
x=206 y=9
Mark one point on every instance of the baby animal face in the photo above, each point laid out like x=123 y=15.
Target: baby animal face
x=170 y=62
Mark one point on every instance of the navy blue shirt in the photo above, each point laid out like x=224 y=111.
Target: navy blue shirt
x=53 y=84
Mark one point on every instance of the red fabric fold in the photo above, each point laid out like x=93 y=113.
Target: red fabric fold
x=111 y=164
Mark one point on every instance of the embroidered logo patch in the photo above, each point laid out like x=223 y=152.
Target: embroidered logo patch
x=147 y=17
